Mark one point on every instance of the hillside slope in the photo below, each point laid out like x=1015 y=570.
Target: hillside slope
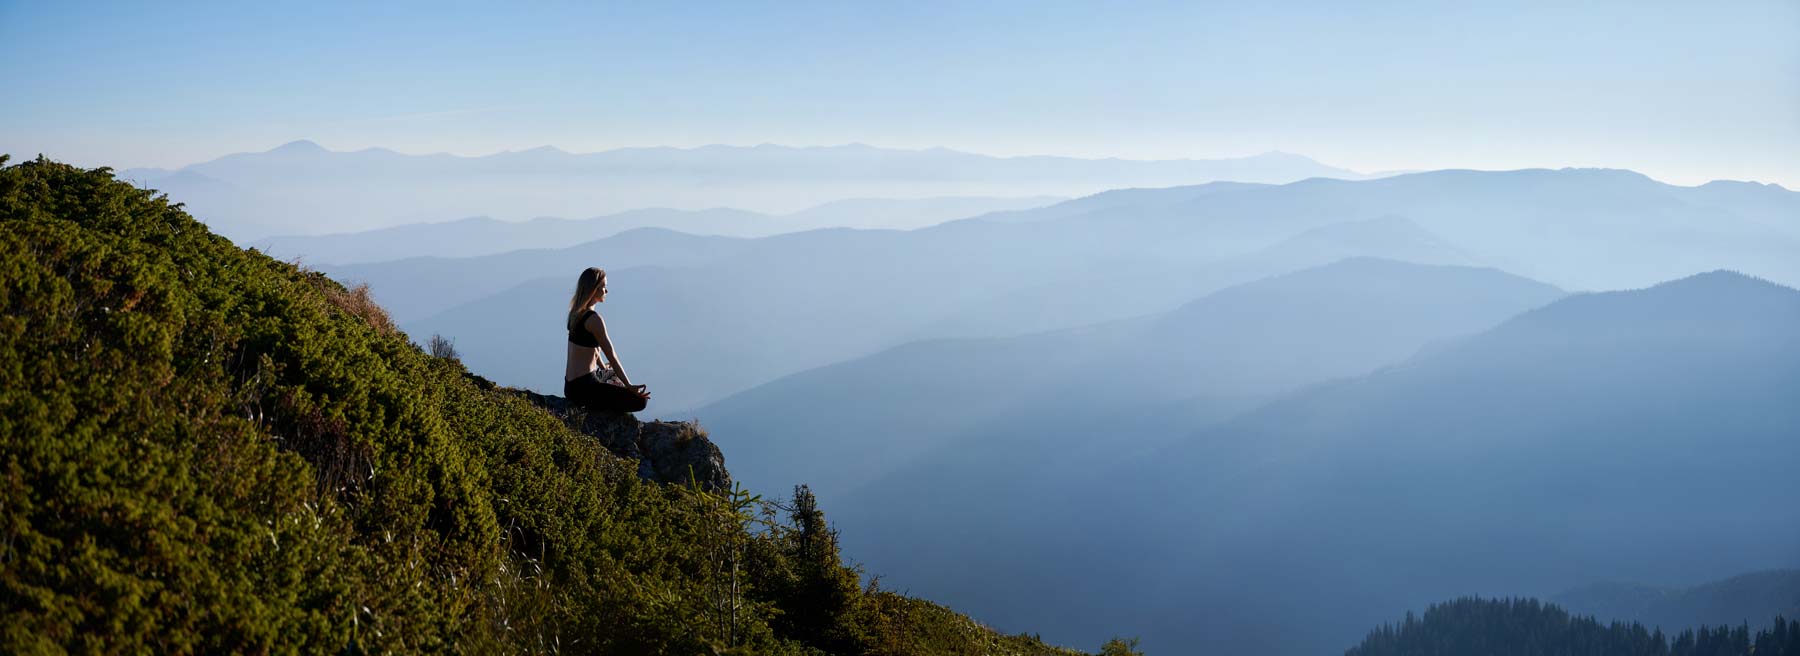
x=207 y=450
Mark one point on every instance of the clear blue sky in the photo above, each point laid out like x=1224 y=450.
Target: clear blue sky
x=1683 y=91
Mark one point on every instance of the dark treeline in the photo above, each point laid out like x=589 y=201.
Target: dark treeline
x=1528 y=627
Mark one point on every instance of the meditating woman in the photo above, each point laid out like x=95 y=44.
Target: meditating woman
x=587 y=381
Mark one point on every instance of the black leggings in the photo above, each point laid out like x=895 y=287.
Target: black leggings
x=588 y=392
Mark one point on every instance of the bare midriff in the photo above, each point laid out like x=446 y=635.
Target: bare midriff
x=582 y=361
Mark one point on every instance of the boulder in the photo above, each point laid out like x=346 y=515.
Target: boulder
x=666 y=451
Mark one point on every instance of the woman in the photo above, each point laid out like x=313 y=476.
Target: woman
x=587 y=381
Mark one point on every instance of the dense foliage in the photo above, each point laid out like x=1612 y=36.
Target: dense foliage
x=1528 y=627
x=203 y=449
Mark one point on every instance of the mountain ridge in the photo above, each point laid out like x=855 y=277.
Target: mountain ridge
x=380 y=188
x=1542 y=453
x=480 y=236
x=1150 y=360
x=1751 y=598
x=308 y=146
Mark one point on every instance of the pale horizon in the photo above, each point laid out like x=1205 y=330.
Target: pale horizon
x=474 y=154
x=1682 y=93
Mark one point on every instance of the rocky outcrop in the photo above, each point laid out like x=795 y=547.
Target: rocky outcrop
x=666 y=451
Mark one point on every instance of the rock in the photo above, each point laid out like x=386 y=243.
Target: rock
x=666 y=451
x=678 y=451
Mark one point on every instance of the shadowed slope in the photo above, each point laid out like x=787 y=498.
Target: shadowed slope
x=1629 y=435
x=867 y=417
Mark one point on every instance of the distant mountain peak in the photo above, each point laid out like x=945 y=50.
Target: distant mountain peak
x=1743 y=184
x=1608 y=172
x=1715 y=298
x=299 y=146
x=1719 y=278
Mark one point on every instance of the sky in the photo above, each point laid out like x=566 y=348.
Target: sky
x=1683 y=91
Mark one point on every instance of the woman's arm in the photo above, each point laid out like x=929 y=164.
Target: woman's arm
x=597 y=326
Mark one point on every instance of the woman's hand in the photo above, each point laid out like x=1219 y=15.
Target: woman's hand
x=641 y=391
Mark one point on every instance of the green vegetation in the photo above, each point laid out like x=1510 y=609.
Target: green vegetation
x=203 y=449
x=1528 y=627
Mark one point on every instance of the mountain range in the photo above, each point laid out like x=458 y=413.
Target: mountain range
x=486 y=236
x=814 y=298
x=301 y=188
x=1630 y=435
x=1751 y=598
x=1214 y=357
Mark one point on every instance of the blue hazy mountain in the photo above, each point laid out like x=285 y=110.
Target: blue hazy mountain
x=761 y=309
x=1612 y=436
x=422 y=286
x=1576 y=228
x=1770 y=204
x=907 y=213
x=850 y=423
x=827 y=296
x=487 y=236
x=377 y=188
x=705 y=330
x=1753 y=598
x=1136 y=199
x=229 y=206
x=479 y=236
x=1134 y=287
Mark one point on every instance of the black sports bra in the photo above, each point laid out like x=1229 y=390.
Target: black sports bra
x=578 y=332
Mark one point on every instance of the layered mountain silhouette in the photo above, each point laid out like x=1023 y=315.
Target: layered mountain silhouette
x=483 y=236
x=486 y=236
x=1129 y=287
x=1752 y=599
x=825 y=296
x=1621 y=435
x=1036 y=400
x=378 y=188
x=1576 y=228
x=420 y=287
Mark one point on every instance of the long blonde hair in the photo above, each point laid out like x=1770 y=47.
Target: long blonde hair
x=584 y=293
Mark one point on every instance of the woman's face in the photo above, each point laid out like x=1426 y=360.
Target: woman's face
x=600 y=292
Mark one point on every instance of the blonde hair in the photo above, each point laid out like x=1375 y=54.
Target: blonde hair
x=584 y=293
